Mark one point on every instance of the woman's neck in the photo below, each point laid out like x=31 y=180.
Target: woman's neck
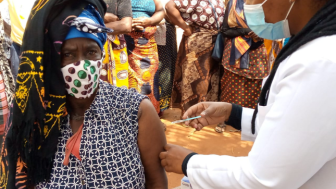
x=304 y=12
x=79 y=106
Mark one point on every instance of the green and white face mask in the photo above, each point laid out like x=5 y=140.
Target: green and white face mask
x=81 y=78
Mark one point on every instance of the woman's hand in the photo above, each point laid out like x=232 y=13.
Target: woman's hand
x=211 y=112
x=138 y=28
x=254 y=36
x=109 y=17
x=173 y=157
x=142 y=21
x=188 y=31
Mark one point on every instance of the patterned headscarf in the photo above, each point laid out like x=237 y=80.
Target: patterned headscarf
x=89 y=24
x=40 y=97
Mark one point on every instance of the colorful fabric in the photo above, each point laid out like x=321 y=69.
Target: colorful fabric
x=196 y=73
x=108 y=63
x=273 y=49
x=242 y=86
x=258 y=66
x=40 y=96
x=143 y=8
x=120 y=70
x=4 y=110
x=200 y=12
x=241 y=44
x=240 y=90
x=110 y=153
x=115 y=64
x=89 y=24
x=165 y=73
x=143 y=62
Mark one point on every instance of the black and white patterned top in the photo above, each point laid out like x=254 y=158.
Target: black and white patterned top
x=109 y=150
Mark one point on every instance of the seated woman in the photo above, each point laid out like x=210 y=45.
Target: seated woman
x=70 y=129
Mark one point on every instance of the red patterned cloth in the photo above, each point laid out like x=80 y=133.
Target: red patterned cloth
x=200 y=12
x=4 y=111
x=258 y=65
x=240 y=90
x=243 y=86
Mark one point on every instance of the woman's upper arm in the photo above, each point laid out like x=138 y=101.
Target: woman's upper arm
x=158 y=5
x=151 y=141
x=124 y=9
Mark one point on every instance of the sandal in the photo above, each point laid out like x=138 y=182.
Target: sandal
x=220 y=128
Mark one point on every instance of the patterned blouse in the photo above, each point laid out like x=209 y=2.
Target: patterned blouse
x=109 y=149
x=200 y=12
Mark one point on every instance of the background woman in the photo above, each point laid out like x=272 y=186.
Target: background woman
x=115 y=64
x=244 y=60
x=167 y=57
x=69 y=128
x=142 y=49
x=196 y=73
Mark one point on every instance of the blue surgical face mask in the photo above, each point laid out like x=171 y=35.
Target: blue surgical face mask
x=255 y=18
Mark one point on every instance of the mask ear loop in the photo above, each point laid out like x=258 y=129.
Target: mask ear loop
x=290 y=9
x=263 y=3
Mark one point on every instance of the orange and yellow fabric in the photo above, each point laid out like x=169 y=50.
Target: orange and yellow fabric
x=115 y=63
x=273 y=49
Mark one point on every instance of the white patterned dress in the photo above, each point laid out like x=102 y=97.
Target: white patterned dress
x=109 y=150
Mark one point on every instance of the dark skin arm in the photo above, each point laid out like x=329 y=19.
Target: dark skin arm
x=151 y=142
x=175 y=18
x=143 y=22
x=122 y=26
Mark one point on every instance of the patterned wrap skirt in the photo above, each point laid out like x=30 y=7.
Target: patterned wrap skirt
x=143 y=62
x=196 y=73
x=243 y=86
x=115 y=63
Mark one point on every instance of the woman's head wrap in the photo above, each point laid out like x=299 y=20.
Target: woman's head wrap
x=40 y=97
x=89 y=24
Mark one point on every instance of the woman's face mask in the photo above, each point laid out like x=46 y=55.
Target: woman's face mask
x=255 y=18
x=82 y=77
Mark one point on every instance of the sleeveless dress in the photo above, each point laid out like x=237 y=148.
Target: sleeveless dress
x=109 y=149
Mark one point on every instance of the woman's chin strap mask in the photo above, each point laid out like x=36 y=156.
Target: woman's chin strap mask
x=255 y=18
